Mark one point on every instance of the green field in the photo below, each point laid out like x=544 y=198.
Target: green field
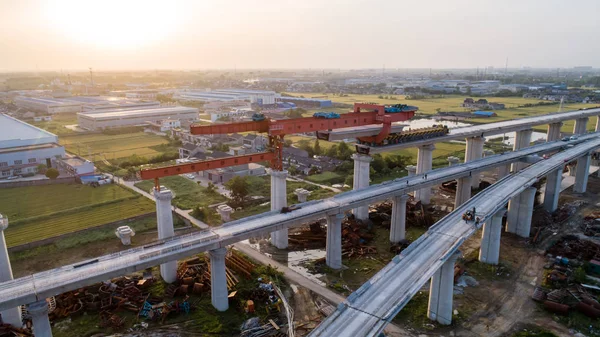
x=453 y=102
x=98 y=146
x=188 y=194
x=41 y=212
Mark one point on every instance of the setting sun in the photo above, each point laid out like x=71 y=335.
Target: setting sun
x=113 y=24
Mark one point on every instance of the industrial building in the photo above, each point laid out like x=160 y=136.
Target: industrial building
x=119 y=118
x=23 y=147
x=74 y=104
x=307 y=102
x=47 y=105
x=260 y=97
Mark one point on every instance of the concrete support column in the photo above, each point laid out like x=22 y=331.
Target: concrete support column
x=474 y=151
x=424 y=162
x=302 y=194
x=580 y=126
x=333 y=257
x=218 y=279
x=453 y=161
x=279 y=200
x=520 y=212
x=225 y=212
x=164 y=216
x=597 y=123
x=503 y=170
x=398 y=225
x=10 y=316
x=441 y=291
x=553 y=180
x=463 y=191
x=572 y=169
x=489 y=252
x=582 y=173
x=362 y=166
x=487 y=153
x=522 y=140
x=553 y=132
x=412 y=170
x=125 y=233
x=39 y=317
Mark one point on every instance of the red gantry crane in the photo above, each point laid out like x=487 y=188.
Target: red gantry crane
x=363 y=114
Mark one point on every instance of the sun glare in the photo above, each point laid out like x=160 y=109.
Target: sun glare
x=126 y=24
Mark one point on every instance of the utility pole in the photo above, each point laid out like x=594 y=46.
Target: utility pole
x=506 y=67
x=91 y=77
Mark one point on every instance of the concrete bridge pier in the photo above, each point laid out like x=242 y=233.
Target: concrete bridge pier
x=522 y=140
x=412 y=170
x=302 y=194
x=552 y=193
x=424 y=163
x=503 y=170
x=362 y=166
x=225 y=212
x=10 y=316
x=580 y=126
x=489 y=252
x=453 y=161
x=440 y=292
x=597 y=123
x=474 y=151
x=279 y=200
x=520 y=212
x=463 y=191
x=164 y=215
x=39 y=317
x=581 y=174
x=333 y=257
x=218 y=279
x=398 y=225
x=553 y=131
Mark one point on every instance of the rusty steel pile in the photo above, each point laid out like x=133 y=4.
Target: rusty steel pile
x=135 y=294
x=570 y=259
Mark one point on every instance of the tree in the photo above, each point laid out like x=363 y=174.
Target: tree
x=332 y=151
x=317 y=148
x=293 y=170
x=378 y=163
x=239 y=188
x=313 y=170
x=41 y=169
x=344 y=152
x=211 y=188
x=349 y=181
x=52 y=173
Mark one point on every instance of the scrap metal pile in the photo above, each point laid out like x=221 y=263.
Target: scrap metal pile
x=591 y=224
x=357 y=234
x=566 y=276
x=136 y=293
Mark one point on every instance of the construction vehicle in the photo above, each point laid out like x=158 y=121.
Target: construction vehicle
x=470 y=215
x=288 y=209
x=399 y=108
x=326 y=115
x=362 y=114
x=257 y=117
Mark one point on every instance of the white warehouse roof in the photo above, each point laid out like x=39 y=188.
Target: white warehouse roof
x=15 y=133
x=138 y=113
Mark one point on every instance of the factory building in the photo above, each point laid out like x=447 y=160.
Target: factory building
x=120 y=118
x=74 y=104
x=307 y=102
x=260 y=97
x=47 y=105
x=23 y=147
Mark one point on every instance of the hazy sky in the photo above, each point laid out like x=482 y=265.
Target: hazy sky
x=195 y=34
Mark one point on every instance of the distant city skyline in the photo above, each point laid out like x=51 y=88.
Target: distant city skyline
x=268 y=34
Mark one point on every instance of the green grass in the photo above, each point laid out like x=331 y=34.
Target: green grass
x=26 y=231
x=112 y=147
x=188 y=194
x=21 y=203
x=41 y=212
x=138 y=225
x=327 y=178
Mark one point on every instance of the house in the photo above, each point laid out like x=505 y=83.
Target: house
x=191 y=150
x=321 y=164
x=42 y=118
x=254 y=142
x=482 y=103
x=164 y=124
x=76 y=165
